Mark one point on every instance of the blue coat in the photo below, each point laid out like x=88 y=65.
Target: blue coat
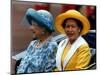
x=39 y=59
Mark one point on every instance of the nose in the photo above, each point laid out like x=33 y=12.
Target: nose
x=70 y=28
x=31 y=28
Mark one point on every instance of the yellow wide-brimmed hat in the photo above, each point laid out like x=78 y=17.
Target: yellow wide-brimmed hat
x=72 y=14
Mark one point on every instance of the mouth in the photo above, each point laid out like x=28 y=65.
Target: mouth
x=33 y=34
x=70 y=34
x=33 y=31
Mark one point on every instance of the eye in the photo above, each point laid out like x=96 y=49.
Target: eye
x=73 y=26
x=67 y=26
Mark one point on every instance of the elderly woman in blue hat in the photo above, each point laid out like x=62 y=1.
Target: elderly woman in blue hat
x=40 y=56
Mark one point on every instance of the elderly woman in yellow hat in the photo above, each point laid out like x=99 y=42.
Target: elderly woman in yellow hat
x=73 y=52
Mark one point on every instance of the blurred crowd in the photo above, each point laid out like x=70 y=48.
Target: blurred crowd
x=88 y=10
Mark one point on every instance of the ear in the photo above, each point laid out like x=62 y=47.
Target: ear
x=79 y=30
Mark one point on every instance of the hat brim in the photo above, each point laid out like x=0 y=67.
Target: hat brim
x=33 y=16
x=72 y=14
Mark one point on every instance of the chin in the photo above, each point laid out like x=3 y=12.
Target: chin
x=71 y=38
x=34 y=36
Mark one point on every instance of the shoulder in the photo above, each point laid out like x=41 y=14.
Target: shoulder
x=61 y=43
x=32 y=42
x=52 y=43
x=51 y=46
x=84 y=49
x=30 y=46
x=84 y=46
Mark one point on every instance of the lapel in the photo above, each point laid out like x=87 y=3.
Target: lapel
x=70 y=53
x=61 y=47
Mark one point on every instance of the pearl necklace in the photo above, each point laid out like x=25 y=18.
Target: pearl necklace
x=38 y=44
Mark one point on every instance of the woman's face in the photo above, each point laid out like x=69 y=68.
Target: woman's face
x=36 y=30
x=72 y=30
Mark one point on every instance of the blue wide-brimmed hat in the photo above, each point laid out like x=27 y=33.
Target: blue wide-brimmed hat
x=41 y=17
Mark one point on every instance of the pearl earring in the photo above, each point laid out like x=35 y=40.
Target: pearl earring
x=79 y=30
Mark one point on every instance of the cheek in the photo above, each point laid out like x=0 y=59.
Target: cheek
x=69 y=30
x=66 y=29
x=39 y=30
x=77 y=31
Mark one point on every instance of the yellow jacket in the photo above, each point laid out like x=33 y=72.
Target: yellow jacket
x=79 y=60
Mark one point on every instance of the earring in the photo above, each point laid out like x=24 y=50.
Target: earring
x=79 y=31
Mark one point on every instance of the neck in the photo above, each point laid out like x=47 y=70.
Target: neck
x=73 y=40
x=44 y=37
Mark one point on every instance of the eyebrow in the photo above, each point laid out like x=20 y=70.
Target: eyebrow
x=70 y=24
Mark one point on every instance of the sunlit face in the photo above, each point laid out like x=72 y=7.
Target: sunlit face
x=72 y=30
x=36 y=30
